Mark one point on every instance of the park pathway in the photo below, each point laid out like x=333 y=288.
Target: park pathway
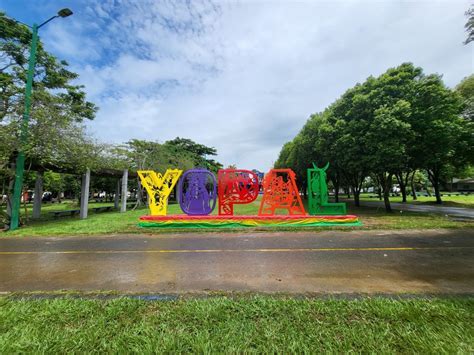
x=458 y=212
x=414 y=261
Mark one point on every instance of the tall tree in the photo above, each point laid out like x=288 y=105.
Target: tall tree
x=198 y=152
x=469 y=26
x=441 y=133
x=466 y=89
x=57 y=104
x=282 y=160
x=389 y=126
x=53 y=93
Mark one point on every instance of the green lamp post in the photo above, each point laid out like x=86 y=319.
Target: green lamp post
x=20 y=160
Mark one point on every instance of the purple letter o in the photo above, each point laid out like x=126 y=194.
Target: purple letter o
x=197 y=192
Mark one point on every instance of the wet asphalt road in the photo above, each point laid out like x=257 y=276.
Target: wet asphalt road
x=429 y=261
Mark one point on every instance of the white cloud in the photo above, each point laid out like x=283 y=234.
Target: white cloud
x=244 y=77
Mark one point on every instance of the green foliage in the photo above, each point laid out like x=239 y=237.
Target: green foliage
x=57 y=104
x=179 y=153
x=146 y=155
x=466 y=89
x=469 y=26
x=54 y=93
x=53 y=182
x=56 y=138
x=238 y=324
x=283 y=158
x=387 y=126
x=197 y=152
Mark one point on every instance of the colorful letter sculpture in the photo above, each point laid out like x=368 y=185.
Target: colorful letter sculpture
x=318 y=194
x=280 y=192
x=159 y=188
x=197 y=198
x=236 y=187
x=197 y=191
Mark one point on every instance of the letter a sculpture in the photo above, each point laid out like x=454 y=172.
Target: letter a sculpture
x=318 y=194
x=280 y=192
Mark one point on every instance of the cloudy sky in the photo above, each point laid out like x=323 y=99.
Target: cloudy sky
x=242 y=76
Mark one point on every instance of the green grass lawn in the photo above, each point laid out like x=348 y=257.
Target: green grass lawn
x=466 y=201
x=239 y=324
x=115 y=222
x=64 y=205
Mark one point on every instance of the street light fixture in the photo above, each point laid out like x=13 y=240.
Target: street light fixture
x=61 y=13
x=64 y=12
x=20 y=159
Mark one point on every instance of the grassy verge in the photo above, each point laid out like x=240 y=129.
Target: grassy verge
x=115 y=222
x=247 y=324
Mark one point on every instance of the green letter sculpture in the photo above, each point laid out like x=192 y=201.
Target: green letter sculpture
x=318 y=194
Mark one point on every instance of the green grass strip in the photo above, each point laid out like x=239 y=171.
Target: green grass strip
x=239 y=324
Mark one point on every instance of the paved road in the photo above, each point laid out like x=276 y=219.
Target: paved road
x=330 y=261
x=458 y=212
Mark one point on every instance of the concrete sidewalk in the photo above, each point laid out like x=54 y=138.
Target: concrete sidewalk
x=431 y=261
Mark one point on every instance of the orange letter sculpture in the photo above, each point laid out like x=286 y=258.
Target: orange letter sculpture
x=235 y=187
x=280 y=191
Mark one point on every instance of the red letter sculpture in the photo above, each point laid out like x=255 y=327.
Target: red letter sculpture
x=236 y=187
x=280 y=191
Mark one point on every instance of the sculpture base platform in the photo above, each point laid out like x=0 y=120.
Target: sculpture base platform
x=185 y=221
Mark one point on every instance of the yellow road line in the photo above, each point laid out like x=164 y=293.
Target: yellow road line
x=177 y=251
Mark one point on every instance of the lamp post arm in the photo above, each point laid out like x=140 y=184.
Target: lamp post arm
x=20 y=159
x=45 y=22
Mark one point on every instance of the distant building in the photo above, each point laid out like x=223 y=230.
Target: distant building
x=462 y=185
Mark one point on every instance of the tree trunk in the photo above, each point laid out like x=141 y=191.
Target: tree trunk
x=403 y=190
x=386 y=200
x=413 y=190
x=379 y=192
x=25 y=201
x=139 y=193
x=437 y=193
x=356 y=192
x=386 y=182
x=357 y=198
x=336 y=189
x=9 y=202
x=403 y=182
x=38 y=195
x=357 y=181
x=433 y=175
x=426 y=186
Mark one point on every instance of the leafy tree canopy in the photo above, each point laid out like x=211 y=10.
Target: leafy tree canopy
x=469 y=26
x=388 y=126
x=57 y=108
